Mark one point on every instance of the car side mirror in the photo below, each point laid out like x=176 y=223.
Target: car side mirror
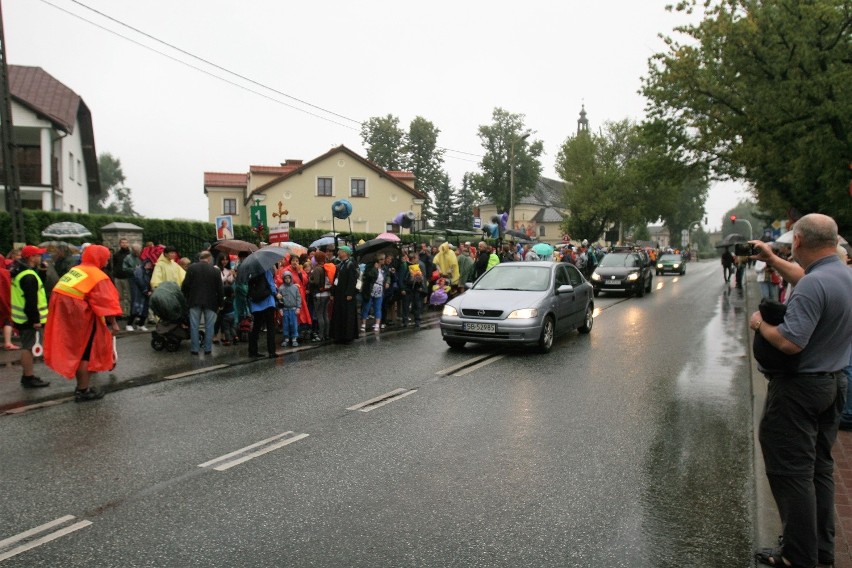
x=565 y=289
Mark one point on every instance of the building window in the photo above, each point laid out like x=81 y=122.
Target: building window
x=324 y=187
x=359 y=188
x=229 y=207
x=71 y=165
x=79 y=172
x=541 y=231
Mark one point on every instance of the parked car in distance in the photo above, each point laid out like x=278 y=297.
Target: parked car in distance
x=526 y=303
x=628 y=271
x=671 y=263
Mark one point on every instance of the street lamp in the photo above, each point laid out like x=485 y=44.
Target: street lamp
x=512 y=178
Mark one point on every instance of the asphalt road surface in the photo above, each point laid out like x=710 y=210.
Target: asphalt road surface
x=628 y=447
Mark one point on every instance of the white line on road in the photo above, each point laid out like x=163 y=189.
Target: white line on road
x=197 y=372
x=22 y=409
x=478 y=365
x=382 y=400
x=463 y=364
x=252 y=455
x=39 y=541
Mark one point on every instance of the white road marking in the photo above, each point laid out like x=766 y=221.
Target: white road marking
x=246 y=457
x=478 y=366
x=197 y=372
x=22 y=409
x=382 y=400
x=39 y=541
x=463 y=364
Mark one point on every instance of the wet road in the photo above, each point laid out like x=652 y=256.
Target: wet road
x=627 y=447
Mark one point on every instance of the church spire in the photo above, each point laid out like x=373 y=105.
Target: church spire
x=583 y=122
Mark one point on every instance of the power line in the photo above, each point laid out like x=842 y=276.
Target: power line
x=228 y=71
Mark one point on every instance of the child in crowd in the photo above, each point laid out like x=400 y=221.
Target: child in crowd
x=291 y=302
x=229 y=331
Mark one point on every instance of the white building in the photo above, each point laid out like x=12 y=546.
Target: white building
x=52 y=129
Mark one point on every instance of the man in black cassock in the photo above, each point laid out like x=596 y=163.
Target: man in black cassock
x=344 y=316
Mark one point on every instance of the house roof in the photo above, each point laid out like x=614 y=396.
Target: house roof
x=548 y=215
x=40 y=92
x=284 y=169
x=547 y=193
x=222 y=179
x=37 y=90
x=338 y=150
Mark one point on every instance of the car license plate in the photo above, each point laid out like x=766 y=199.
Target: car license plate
x=481 y=327
x=612 y=283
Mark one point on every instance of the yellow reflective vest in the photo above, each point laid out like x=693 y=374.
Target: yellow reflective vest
x=19 y=303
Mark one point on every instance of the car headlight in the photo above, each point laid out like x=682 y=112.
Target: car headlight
x=632 y=276
x=660 y=265
x=675 y=265
x=596 y=277
x=526 y=313
x=450 y=311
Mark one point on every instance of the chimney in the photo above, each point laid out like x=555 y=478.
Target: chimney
x=292 y=163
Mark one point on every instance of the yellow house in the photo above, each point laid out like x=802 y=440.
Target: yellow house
x=538 y=215
x=306 y=192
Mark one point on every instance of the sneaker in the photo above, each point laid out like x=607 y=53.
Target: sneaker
x=316 y=338
x=284 y=343
x=90 y=393
x=142 y=328
x=129 y=328
x=363 y=327
x=294 y=344
x=376 y=328
x=33 y=382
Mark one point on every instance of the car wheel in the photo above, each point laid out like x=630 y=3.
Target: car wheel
x=545 y=342
x=658 y=273
x=588 y=321
x=640 y=291
x=455 y=343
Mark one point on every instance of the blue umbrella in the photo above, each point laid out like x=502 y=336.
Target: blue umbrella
x=543 y=250
x=322 y=242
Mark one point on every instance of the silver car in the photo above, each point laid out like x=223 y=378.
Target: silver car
x=526 y=303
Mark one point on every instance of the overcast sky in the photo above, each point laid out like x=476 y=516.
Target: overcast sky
x=311 y=71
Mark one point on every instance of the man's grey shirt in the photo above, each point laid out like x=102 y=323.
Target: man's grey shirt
x=819 y=316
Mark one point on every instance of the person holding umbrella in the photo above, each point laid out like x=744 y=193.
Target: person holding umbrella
x=262 y=306
x=344 y=316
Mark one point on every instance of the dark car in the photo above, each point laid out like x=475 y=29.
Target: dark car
x=628 y=272
x=526 y=303
x=671 y=263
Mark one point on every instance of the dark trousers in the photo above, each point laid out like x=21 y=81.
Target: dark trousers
x=412 y=306
x=259 y=319
x=797 y=431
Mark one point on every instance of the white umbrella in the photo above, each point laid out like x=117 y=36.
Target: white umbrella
x=787 y=239
x=66 y=230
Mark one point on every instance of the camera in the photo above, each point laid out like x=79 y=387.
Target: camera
x=744 y=249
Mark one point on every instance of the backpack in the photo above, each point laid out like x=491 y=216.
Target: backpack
x=258 y=288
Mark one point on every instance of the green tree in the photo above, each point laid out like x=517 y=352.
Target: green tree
x=116 y=197
x=497 y=140
x=765 y=89
x=605 y=188
x=467 y=198
x=425 y=160
x=444 y=205
x=385 y=142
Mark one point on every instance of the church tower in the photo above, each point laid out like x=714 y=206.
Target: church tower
x=583 y=122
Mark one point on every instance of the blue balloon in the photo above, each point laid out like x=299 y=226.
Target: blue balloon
x=341 y=209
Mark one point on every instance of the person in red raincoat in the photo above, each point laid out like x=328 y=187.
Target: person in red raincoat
x=6 y=304
x=300 y=277
x=78 y=335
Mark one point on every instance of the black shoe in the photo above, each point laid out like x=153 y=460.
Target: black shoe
x=90 y=393
x=33 y=382
x=255 y=355
x=208 y=352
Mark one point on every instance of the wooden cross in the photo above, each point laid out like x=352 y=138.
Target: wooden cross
x=281 y=212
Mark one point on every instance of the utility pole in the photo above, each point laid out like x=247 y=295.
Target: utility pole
x=7 y=140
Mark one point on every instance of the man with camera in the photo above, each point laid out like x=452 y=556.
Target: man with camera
x=803 y=405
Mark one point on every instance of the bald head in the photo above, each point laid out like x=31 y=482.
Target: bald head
x=816 y=231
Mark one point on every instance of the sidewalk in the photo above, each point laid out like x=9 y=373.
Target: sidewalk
x=139 y=364
x=768 y=526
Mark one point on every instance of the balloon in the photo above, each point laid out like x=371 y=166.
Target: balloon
x=341 y=209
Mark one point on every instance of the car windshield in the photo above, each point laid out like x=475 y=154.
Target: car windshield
x=619 y=260
x=515 y=276
x=670 y=257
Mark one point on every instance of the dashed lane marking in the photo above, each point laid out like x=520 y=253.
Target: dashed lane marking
x=463 y=364
x=478 y=365
x=382 y=400
x=42 y=540
x=268 y=446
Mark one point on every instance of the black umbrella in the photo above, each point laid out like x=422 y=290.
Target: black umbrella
x=731 y=240
x=259 y=262
x=368 y=251
x=233 y=246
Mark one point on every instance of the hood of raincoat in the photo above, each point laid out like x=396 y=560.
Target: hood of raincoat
x=95 y=255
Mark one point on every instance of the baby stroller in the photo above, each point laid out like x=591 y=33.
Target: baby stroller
x=169 y=305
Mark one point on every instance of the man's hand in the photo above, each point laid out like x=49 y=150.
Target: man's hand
x=764 y=251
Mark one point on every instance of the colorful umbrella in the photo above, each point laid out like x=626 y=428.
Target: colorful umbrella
x=290 y=247
x=322 y=242
x=233 y=246
x=543 y=250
